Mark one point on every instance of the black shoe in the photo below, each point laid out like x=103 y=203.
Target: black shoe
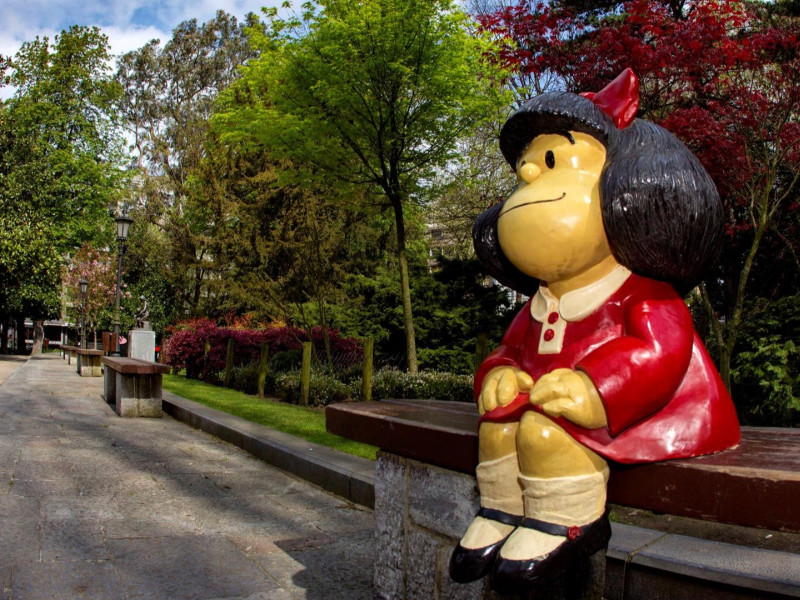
x=470 y=564
x=518 y=576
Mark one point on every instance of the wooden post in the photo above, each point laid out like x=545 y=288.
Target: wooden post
x=206 y=352
x=229 y=363
x=366 y=377
x=262 y=368
x=481 y=349
x=305 y=374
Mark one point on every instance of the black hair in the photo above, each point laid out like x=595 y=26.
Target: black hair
x=661 y=211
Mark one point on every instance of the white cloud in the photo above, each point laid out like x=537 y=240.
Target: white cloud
x=122 y=40
x=128 y=24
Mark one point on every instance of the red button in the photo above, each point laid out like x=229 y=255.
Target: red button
x=552 y=317
x=549 y=335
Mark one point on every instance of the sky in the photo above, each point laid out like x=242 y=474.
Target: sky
x=128 y=24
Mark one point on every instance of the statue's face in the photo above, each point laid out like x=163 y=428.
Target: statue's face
x=551 y=227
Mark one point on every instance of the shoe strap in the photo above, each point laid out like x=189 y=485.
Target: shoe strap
x=572 y=533
x=544 y=526
x=500 y=516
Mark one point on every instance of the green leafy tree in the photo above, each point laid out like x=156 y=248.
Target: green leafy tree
x=373 y=93
x=59 y=158
x=275 y=247
x=30 y=271
x=168 y=98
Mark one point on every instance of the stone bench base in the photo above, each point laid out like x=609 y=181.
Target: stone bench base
x=89 y=363
x=133 y=386
x=421 y=511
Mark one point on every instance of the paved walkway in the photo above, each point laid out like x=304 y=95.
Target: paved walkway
x=94 y=506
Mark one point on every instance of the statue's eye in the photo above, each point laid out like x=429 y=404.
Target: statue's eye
x=550 y=159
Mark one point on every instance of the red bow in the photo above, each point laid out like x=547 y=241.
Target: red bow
x=619 y=99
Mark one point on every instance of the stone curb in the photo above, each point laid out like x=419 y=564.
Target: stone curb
x=345 y=475
x=642 y=563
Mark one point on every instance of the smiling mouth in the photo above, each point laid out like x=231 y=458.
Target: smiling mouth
x=505 y=212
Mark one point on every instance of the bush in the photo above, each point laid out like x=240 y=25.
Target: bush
x=324 y=389
x=448 y=360
x=767 y=384
x=433 y=385
x=245 y=379
x=186 y=346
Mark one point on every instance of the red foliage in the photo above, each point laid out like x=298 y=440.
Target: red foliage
x=98 y=268
x=719 y=75
x=185 y=347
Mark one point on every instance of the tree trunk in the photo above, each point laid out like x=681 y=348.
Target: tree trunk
x=38 y=337
x=21 y=334
x=326 y=334
x=4 y=336
x=405 y=287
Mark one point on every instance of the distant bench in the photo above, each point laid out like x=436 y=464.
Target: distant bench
x=69 y=353
x=88 y=363
x=756 y=484
x=133 y=386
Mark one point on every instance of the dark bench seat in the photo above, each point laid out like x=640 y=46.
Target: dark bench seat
x=756 y=484
x=133 y=386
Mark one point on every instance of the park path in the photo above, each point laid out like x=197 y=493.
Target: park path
x=10 y=363
x=95 y=506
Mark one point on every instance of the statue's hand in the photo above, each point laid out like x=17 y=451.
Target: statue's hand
x=501 y=386
x=572 y=395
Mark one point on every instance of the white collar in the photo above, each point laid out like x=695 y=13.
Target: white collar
x=580 y=303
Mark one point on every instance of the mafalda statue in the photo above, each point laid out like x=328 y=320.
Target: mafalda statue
x=611 y=221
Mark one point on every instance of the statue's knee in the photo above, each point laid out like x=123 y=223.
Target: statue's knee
x=539 y=435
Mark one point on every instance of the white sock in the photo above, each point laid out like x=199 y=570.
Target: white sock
x=498 y=483
x=576 y=500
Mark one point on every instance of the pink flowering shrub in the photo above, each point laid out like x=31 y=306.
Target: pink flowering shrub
x=186 y=346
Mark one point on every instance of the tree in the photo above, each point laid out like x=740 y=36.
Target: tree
x=99 y=269
x=372 y=93
x=30 y=271
x=723 y=76
x=59 y=159
x=167 y=102
x=274 y=247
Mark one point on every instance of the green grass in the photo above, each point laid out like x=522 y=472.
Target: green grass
x=306 y=423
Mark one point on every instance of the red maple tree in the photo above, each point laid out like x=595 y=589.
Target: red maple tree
x=724 y=76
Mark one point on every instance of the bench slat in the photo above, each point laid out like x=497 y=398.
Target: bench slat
x=134 y=366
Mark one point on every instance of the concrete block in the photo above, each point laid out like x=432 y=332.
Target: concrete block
x=142 y=344
x=138 y=396
x=89 y=366
x=441 y=500
x=422 y=565
x=390 y=527
x=704 y=565
x=625 y=541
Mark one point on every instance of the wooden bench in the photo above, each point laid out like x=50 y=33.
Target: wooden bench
x=88 y=362
x=756 y=484
x=133 y=386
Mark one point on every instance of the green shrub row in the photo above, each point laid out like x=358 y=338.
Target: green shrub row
x=325 y=388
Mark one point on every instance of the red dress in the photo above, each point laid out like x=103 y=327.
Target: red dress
x=662 y=393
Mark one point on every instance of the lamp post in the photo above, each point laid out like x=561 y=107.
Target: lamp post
x=123 y=224
x=84 y=288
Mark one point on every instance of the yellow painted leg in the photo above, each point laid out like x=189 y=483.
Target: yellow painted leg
x=564 y=483
x=496 y=440
x=546 y=450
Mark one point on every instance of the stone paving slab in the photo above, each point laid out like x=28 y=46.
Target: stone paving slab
x=98 y=507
